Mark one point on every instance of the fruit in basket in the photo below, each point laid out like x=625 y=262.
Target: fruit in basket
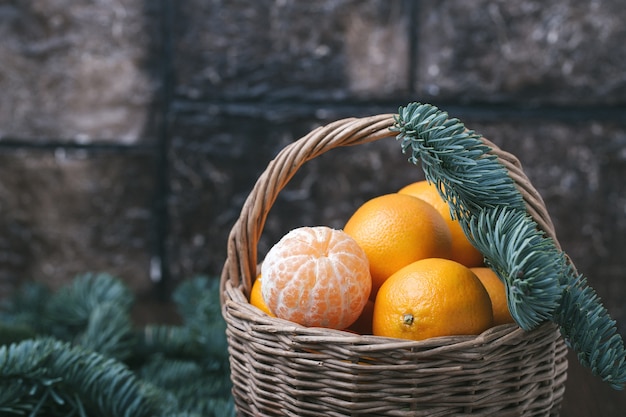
x=316 y=276
x=256 y=298
x=462 y=249
x=429 y=298
x=497 y=294
x=395 y=230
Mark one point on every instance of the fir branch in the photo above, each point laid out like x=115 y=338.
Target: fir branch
x=586 y=326
x=527 y=261
x=199 y=304
x=200 y=292
x=170 y=341
x=45 y=375
x=93 y=311
x=541 y=285
x=11 y=402
x=191 y=361
x=476 y=186
x=109 y=331
x=202 y=335
x=70 y=308
x=197 y=388
x=455 y=159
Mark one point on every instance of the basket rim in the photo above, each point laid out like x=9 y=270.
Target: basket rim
x=238 y=307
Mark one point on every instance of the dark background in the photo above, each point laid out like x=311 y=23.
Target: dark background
x=131 y=131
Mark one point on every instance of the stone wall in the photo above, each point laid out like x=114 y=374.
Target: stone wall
x=131 y=131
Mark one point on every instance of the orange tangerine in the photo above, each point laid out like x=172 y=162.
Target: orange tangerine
x=395 y=230
x=497 y=293
x=256 y=298
x=429 y=298
x=316 y=276
x=462 y=249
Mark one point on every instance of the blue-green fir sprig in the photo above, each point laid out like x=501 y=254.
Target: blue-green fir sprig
x=94 y=312
x=73 y=352
x=587 y=329
x=49 y=377
x=455 y=159
x=524 y=258
x=472 y=180
x=541 y=283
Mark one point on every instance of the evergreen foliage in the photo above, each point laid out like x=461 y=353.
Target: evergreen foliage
x=76 y=353
x=530 y=261
x=456 y=160
x=48 y=377
x=542 y=285
x=586 y=325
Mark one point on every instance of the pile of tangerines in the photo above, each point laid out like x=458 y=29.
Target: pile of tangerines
x=401 y=267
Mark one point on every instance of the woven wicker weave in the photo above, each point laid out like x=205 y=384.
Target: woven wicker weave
x=279 y=368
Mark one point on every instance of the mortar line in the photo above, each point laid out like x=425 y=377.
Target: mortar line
x=100 y=145
x=482 y=111
x=159 y=262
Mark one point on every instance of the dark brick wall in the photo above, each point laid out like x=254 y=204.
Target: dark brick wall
x=131 y=131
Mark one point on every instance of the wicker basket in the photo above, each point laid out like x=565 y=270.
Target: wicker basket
x=279 y=368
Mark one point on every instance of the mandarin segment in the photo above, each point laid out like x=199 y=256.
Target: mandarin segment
x=395 y=230
x=316 y=276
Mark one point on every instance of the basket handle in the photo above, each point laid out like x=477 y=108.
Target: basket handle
x=241 y=262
